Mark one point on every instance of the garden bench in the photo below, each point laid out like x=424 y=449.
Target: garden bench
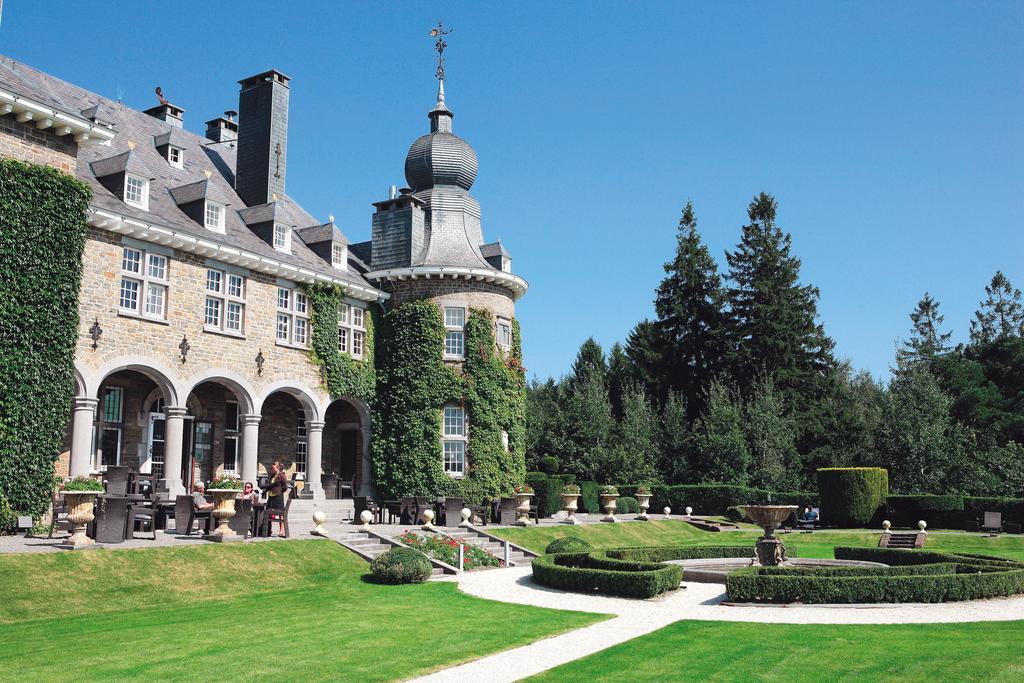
x=993 y=522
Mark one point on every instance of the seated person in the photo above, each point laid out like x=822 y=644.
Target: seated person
x=198 y=498
x=249 y=493
x=809 y=515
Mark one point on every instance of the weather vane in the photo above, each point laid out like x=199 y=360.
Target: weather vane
x=439 y=32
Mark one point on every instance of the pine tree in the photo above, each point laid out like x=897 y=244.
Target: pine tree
x=720 y=450
x=587 y=414
x=544 y=420
x=620 y=374
x=589 y=358
x=676 y=443
x=1000 y=314
x=632 y=459
x=774 y=461
x=773 y=320
x=645 y=351
x=690 y=322
x=926 y=337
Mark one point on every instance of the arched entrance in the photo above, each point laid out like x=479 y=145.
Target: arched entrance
x=123 y=434
x=212 y=438
x=346 y=448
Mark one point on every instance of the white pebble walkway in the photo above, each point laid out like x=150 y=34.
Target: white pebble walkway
x=701 y=601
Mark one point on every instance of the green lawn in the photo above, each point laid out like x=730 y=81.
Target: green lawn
x=281 y=610
x=724 y=651
x=818 y=544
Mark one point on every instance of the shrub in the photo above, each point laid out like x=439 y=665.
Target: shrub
x=548 y=465
x=568 y=544
x=627 y=505
x=913 y=576
x=938 y=511
x=571 y=489
x=567 y=478
x=593 y=572
x=401 y=565
x=695 y=552
x=714 y=499
x=591 y=503
x=547 y=492
x=608 y=490
x=82 y=483
x=734 y=513
x=8 y=518
x=233 y=483
x=852 y=496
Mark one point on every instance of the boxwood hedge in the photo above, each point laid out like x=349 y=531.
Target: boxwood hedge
x=940 y=511
x=852 y=496
x=914 y=576
x=595 y=572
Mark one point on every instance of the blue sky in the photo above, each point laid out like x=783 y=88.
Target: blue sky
x=892 y=134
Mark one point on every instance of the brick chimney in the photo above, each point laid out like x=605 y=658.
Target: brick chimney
x=169 y=113
x=262 y=137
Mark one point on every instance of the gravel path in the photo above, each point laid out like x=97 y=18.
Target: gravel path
x=699 y=601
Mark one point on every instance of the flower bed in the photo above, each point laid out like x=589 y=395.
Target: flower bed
x=445 y=549
x=914 y=576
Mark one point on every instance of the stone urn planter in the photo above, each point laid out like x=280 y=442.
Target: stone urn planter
x=569 y=504
x=80 y=505
x=523 y=507
x=643 y=500
x=608 y=505
x=223 y=511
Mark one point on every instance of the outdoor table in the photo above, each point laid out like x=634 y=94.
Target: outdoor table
x=162 y=507
x=393 y=509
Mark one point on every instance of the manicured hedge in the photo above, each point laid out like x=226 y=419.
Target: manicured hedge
x=915 y=576
x=694 y=552
x=43 y=236
x=626 y=505
x=547 y=492
x=852 y=496
x=568 y=544
x=715 y=499
x=589 y=496
x=596 y=573
x=944 y=511
x=975 y=508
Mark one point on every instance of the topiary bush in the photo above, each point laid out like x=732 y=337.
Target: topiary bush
x=852 y=496
x=590 y=497
x=401 y=565
x=43 y=237
x=568 y=544
x=596 y=573
x=627 y=505
x=548 y=465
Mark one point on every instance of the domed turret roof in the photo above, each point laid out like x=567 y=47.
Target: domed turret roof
x=440 y=157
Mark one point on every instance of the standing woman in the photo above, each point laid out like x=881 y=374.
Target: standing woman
x=277 y=488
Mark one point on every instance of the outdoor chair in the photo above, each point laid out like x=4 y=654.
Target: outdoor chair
x=453 y=510
x=59 y=514
x=278 y=515
x=242 y=520
x=993 y=522
x=479 y=514
x=143 y=516
x=507 y=511
x=408 y=511
x=346 y=485
x=186 y=515
x=117 y=479
x=329 y=483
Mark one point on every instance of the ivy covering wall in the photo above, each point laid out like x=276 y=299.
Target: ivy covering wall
x=42 y=215
x=342 y=375
x=414 y=384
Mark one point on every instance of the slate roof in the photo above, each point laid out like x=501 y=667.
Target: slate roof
x=494 y=249
x=201 y=155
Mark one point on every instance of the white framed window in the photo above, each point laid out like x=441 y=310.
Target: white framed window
x=301 y=447
x=504 y=334
x=231 y=437
x=454 y=336
x=352 y=330
x=292 y=327
x=176 y=156
x=214 y=216
x=453 y=440
x=339 y=256
x=136 y=191
x=143 y=289
x=225 y=302
x=282 y=237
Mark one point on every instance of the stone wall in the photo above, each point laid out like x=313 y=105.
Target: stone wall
x=469 y=293
x=26 y=142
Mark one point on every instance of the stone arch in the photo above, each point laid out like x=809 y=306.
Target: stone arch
x=159 y=373
x=364 y=483
x=80 y=386
x=232 y=380
x=306 y=397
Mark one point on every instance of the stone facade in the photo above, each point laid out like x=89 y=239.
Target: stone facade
x=26 y=142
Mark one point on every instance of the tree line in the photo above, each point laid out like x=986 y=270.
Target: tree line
x=735 y=381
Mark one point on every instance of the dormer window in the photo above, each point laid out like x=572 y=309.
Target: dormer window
x=282 y=237
x=136 y=191
x=176 y=156
x=215 y=216
x=339 y=256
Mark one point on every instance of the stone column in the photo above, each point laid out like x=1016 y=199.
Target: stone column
x=250 y=446
x=174 y=430
x=84 y=413
x=314 y=458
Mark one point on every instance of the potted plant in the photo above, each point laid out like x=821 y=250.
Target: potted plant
x=224 y=490
x=609 y=494
x=524 y=492
x=643 y=500
x=570 y=496
x=79 y=497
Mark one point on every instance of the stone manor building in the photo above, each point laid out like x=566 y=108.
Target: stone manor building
x=193 y=355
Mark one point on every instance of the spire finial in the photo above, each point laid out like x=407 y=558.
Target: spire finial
x=440 y=32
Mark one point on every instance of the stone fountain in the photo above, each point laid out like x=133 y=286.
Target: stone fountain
x=771 y=551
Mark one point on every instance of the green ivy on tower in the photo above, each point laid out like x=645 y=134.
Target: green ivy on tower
x=342 y=375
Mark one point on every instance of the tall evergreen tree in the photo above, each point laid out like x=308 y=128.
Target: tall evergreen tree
x=544 y=421
x=588 y=426
x=589 y=359
x=691 y=321
x=632 y=459
x=773 y=319
x=927 y=340
x=645 y=351
x=1001 y=314
x=720 y=451
x=676 y=443
x=774 y=461
x=620 y=374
